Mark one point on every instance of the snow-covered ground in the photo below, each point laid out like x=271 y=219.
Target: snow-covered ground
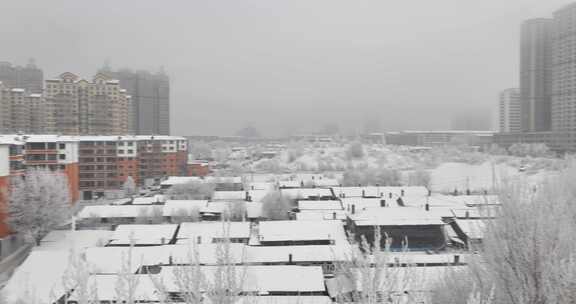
x=479 y=177
x=39 y=278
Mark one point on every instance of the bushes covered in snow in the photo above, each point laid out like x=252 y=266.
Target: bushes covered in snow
x=276 y=207
x=369 y=176
x=533 y=150
x=191 y=191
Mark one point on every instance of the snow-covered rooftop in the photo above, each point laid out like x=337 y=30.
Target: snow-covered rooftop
x=474 y=229
x=177 y=207
x=401 y=216
x=309 y=253
x=117 y=211
x=271 y=231
x=383 y=191
x=321 y=215
x=143 y=234
x=208 y=231
x=320 y=205
x=305 y=193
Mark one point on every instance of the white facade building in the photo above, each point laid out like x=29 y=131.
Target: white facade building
x=509 y=119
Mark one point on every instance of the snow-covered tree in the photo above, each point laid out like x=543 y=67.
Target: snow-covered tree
x=77 y=278
x=127 y=282
x=371 y=275
x=38 y=203
x=533 y=150
x=528 y=253
x=191 y=191
x=236 y=211
x=129 y=187
x=201 y=150
x=184 y=215
x=419 y=178
x=227 y=282
x=275 y=206
x=371 y=176
x=198 y=285
x=154 y=215
x=355 y=150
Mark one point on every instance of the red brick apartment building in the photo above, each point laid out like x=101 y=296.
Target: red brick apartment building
x=107 y=161
x=92 y=164
x=198 y=168
x=57 y=153
x=11 y=165
x=4 y=181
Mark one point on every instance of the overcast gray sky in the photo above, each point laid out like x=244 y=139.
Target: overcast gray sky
x=287 y=66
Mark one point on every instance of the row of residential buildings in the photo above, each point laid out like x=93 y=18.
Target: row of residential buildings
x=543 y=108
x=112 y=103
x=94 y=165
x=69 y=106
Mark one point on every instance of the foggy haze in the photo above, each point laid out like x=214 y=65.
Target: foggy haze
x=287 y=66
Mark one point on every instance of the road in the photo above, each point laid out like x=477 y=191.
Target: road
x=9 y=264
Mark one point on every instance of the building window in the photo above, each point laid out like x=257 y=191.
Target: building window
x=62 y=146
x=62 y=156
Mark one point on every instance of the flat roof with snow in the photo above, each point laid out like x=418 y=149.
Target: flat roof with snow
x=208 y=231
x=143 y=234
x=273 y=231
x=401 y=216
x=320 y=205
x=375 y=191
x=118 y=211
x=183 y=207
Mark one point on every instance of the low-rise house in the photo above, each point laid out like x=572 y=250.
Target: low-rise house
x=409 y=227
x=247 y=196
x=320 y=210
x=467 y=232
x=227 y=183
x=99 y=215
x=380 y=191
x=308 y=193
x=398 y=284
x=183 y=210
x=289 y=233
x=266 y=281
x=198 y=168
x=213 y=232
x=111 y=260
x=154 y=200
x=144 y=235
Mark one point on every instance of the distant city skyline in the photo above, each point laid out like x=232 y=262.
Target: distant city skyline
x=282 y=68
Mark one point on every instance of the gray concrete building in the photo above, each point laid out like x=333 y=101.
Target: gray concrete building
x=563 y=43
x=535 y=74
x=28 y=77
x=150 y=99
